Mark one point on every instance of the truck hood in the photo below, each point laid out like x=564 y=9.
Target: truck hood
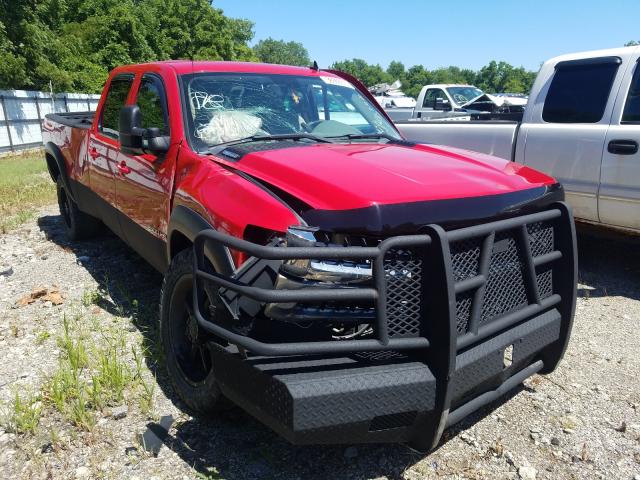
x=348 y=177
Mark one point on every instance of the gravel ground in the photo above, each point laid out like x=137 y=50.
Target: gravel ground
x=583 y=421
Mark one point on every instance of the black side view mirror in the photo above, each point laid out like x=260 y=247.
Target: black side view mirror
x=442 y=105
x=135 y=140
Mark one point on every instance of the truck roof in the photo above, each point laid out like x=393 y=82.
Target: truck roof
x=447 y=85
x=181 y=67
x=610 y=52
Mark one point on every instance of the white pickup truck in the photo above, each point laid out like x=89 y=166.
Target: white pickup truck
x=459 y=102
x=581 y=125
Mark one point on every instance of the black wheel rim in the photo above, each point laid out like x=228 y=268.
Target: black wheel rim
x=64 y=202
x=188 y=341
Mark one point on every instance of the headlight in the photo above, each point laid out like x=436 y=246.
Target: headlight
x=334 y=271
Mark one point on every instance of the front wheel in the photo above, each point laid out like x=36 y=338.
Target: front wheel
x=188 y=358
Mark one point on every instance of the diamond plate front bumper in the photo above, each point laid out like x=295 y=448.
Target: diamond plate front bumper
x=421 y=380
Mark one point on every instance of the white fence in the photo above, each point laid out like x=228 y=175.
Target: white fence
x=22 y=112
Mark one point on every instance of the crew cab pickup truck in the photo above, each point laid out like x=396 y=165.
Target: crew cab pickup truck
x=336 y=281
x=581 y=125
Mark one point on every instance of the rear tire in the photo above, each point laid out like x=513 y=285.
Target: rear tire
x=188 y=359
x=78 y=225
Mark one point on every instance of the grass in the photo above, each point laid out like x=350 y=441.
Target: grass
x=92 y=297
x=42 y=337
x=94 y=374
x=96 y=369
x=24 y=413
x=25 y=185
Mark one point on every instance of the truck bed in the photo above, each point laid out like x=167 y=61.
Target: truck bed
x=494 y=137
x=73 y=119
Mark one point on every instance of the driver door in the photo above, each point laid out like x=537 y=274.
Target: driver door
x=436 y=104
x=144 y=182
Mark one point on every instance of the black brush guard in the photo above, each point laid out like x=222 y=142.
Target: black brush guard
x=431 y=379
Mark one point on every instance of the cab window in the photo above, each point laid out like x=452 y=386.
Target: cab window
x=153 y=104
x=579 y=92
x=631 y=112
x=116 y=99
x=432 y=96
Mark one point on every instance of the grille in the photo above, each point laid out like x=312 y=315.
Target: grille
x=403 y=274
x=541 y=241
x=505 y=290
x=465 y=258
x=463 y=312
x=540 y=238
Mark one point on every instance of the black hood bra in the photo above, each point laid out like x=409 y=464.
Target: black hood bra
x=408 y=218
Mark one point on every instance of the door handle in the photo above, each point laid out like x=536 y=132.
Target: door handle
x=623 y=147
x=93 y=152
x=122 y=168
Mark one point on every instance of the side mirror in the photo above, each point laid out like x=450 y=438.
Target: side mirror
x=130 y=131
x=135 y=140
x=442 y=105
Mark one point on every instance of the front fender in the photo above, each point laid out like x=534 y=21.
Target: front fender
x=186 y=223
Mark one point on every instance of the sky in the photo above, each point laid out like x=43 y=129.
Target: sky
x=464 y=33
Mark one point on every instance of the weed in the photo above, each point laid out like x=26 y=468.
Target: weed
x=14 y=330
x=65 y=384
x=209 y=473
x=74 y=349
x=113 y=375
x=97 y=393
x=79 y=413
x=24 y=414
x=91 y=297
x=42 y=337
x=146 y=397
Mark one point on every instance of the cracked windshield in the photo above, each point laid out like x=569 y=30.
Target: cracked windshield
x=223 y=108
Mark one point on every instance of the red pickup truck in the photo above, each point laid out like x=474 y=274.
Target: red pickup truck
x=338 y=282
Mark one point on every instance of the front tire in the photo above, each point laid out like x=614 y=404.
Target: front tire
x=188 y=358
x=78 y=225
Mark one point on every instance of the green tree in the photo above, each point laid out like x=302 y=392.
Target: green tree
x=494 y=77
x=396 y=71
x=74 y=43
x=503 y=77
x=270 y=50
x=367 y=74
x=632 y=43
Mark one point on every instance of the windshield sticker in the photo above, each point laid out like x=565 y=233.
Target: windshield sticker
x=340 y=82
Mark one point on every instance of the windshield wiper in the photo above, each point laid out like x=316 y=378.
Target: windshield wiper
x=360 y=136
x=261 y=138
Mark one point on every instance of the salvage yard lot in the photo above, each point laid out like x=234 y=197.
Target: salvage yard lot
x=81 y=376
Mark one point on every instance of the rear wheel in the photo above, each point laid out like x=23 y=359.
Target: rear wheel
x=79 y=225
x=187 y=355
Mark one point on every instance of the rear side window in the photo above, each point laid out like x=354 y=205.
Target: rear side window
x=116 y=99
x=631 y=112
x=153 y=104
x=579 y=92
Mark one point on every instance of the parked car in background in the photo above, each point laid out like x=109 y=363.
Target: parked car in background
x=397 y=105
x=336 y=281
x=581 y=125
x=460 y=102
